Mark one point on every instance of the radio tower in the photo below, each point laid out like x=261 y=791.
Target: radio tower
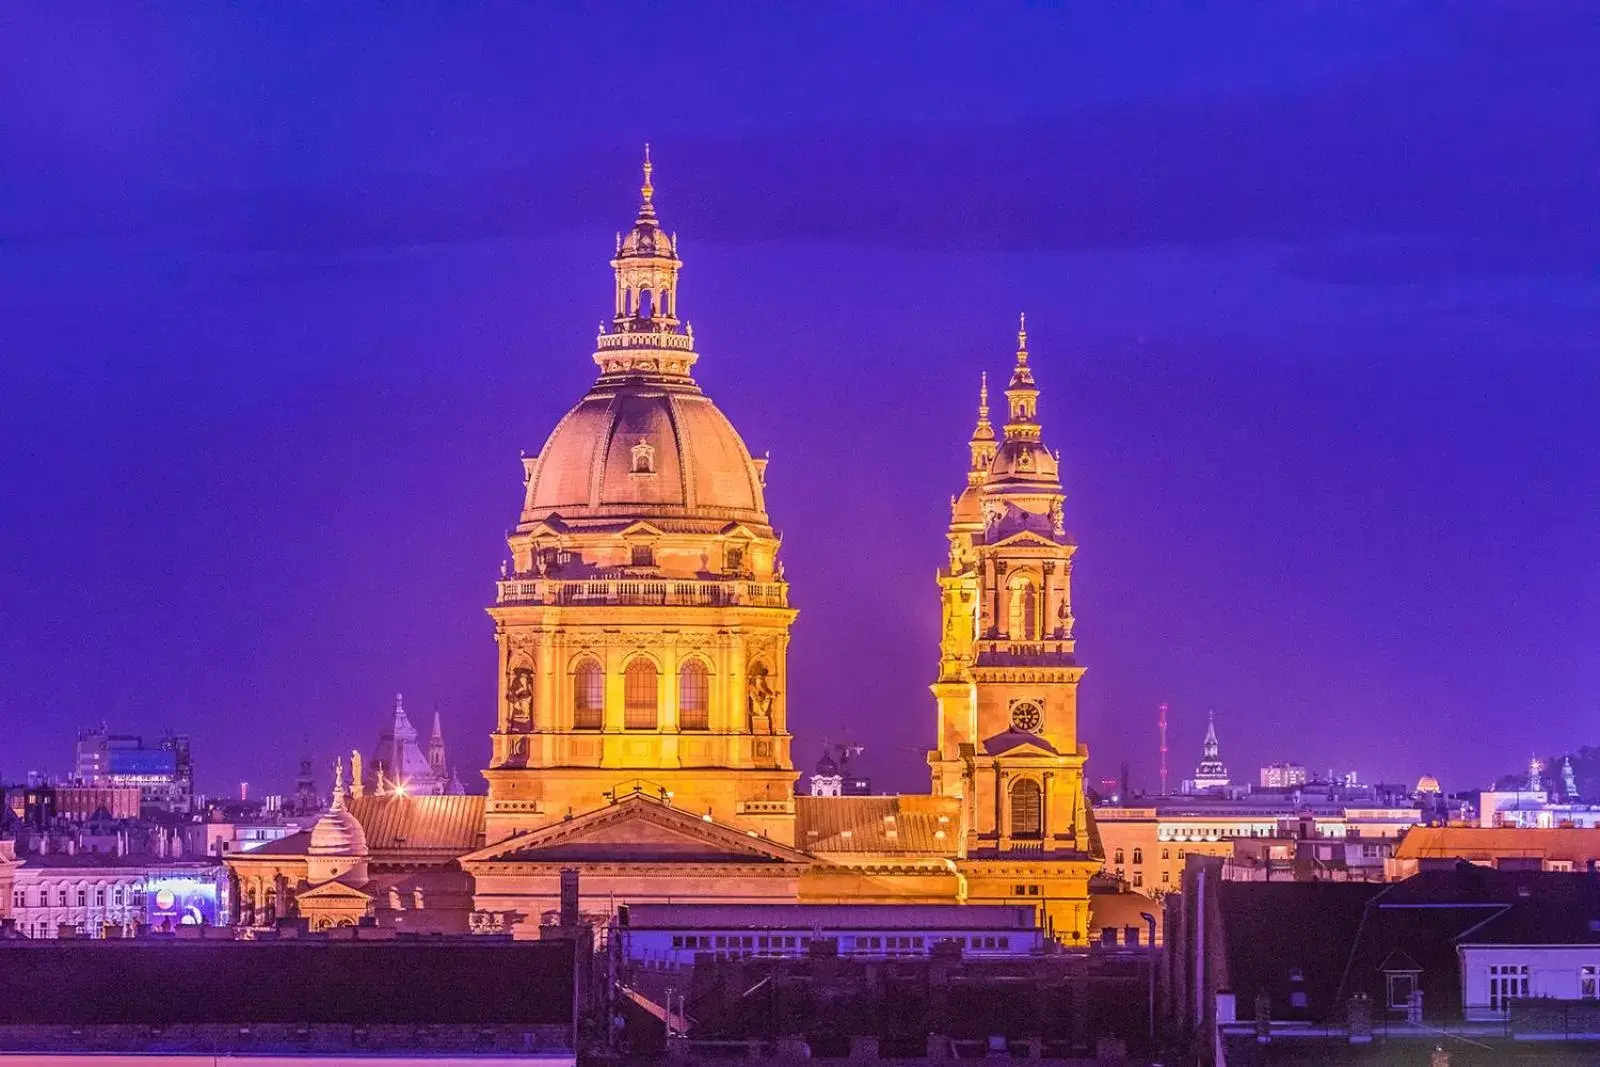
x=1161 y=724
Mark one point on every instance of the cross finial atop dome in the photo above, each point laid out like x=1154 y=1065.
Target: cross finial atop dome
x=648 y=189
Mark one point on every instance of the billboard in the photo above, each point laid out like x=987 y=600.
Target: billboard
x=142 y=762
x=171 y=902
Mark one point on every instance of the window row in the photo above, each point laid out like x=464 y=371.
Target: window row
x=40 y=898
x=641 y=696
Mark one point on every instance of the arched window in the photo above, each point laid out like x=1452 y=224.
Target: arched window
x=694 y=696
x=639 y=695
x=1024 y=614
x=1027 y=809
x=1119 y=857
x=1138 y=855
x=588 y=696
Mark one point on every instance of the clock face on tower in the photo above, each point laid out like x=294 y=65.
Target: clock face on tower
x=1025 y=715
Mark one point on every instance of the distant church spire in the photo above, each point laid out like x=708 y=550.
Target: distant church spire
x=436 y=758
x=982 y=444
x=1211 y=774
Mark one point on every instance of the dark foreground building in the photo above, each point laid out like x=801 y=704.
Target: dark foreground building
x=162 y=1001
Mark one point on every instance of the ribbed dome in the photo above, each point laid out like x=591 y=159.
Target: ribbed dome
x=1428 y=784
x=338 y=833
x=645 y=239
x=1024 y=464
x=827 y=766
x=633 y=449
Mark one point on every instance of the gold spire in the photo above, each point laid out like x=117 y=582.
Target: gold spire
x=648 y=189
x=1022 y=376
x=984 y=430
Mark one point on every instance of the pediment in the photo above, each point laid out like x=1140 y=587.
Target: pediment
x=641 y=528
x=333 y=891
x=1018 y=743
x=739 y=532
x=636 y=830
x=1026 y=539
x=549 y=526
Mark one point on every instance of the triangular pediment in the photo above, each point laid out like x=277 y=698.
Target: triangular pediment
x=636 y=830
x=738 y=531
x=333 y=891
x=1018 y=743
x=548 y=526
x=641 y=528
x=1025 y=539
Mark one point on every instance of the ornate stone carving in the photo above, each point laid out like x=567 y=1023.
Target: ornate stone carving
x=1058 y=518
x=759 y=694
x=519 y=700
x=357 y=782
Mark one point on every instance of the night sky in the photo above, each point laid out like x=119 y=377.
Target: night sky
x=1312 y=294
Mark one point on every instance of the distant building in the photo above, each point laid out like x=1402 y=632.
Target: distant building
x=1147 y=846
x=1356 y=973
x=96 y=894
x=834 y=776
x=399 y=762
x=1533 y=807
x=1211 y=775
x=1283 y=776
x=163 y=772
x=1504 y=847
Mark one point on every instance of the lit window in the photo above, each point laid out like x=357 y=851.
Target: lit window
x=588 y=696
x=694 y=696
x=639 y=695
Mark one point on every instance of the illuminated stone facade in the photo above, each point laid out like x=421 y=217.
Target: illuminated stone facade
x=642 y=629
x=643 y=623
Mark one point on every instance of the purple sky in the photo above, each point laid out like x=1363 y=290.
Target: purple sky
x=1312 y=292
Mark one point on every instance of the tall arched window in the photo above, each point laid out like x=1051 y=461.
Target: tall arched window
x=639 y=695
x=1027 y=809
x=1024 y=614
x=589 y=696
x=694 y=696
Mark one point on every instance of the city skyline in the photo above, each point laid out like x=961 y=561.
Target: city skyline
x=1326 y=450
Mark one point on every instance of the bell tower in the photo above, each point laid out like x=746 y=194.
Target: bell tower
x=1007 y=692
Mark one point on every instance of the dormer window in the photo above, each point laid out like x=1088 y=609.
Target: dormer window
x=734 y=555
x=644 y=457
x=644 y=556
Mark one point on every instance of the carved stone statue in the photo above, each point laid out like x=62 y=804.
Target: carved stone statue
x=519 y=699
x=760 y=694
x=383 y=783
x=338 y=777
x=358 y=784
x=1057 y=518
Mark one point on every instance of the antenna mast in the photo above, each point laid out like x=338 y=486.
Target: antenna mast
x=1161 y=725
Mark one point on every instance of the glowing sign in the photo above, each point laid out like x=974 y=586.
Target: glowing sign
x=180 y=902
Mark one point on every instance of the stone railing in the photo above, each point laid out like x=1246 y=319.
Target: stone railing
x=642 y=592
x=645 y=339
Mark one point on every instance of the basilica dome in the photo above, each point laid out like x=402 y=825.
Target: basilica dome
x=638 y=449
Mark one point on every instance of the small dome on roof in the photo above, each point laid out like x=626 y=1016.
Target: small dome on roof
x=338 y=833
x=827 y=766
x=1428 y=784
x=645 y=239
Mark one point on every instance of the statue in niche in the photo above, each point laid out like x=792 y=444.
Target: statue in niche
x=519 y=700
x=1058 y=523
x=760 y=695
x=358 y=784
x=992 y=512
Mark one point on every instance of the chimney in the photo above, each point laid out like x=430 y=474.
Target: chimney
x=569 y=896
